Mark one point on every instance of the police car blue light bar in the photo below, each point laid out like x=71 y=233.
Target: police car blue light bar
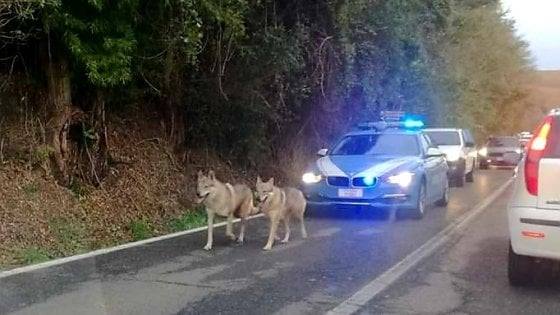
x=413 y=123
x=392 y=119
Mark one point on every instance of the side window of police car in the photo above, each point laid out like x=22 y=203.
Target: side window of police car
x=425 y=143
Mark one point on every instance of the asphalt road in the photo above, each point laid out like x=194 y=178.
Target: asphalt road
x=469 y=276
x=344 y=252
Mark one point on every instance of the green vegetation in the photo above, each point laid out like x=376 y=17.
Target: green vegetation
x=30 y=189
x=140 y=229
x=70 y=235
x=188 y=220
x=78 y=189
x=34 y=255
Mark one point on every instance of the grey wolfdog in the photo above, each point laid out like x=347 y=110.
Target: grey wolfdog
x=280 y=204
x=225 y=200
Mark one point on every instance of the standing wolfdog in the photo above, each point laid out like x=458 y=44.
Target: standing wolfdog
x=280 y=204
x=225 y=200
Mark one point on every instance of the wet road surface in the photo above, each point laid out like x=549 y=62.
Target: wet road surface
x=343 y=253
x=469 y=276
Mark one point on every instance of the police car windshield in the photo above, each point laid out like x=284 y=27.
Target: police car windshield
x=444 y=137
x=378 y=144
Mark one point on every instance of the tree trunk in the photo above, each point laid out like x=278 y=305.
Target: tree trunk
x=174 y=115
x=99 y=159
x=60 y=114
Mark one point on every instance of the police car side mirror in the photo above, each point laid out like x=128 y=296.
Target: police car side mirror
x=434 y=152
x=322 y=152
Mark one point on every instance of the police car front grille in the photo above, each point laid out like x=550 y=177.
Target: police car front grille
x=495 y=154
x=338 y=181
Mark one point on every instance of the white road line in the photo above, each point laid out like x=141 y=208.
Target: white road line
x=372 y=289
x=104 y=251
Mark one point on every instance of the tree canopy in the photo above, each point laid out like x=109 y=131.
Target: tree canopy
x=247 y=77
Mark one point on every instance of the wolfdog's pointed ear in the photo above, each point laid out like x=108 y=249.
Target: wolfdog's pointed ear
x=211 y=175
x=199 y=174
x=259 y=180
x=271 y=180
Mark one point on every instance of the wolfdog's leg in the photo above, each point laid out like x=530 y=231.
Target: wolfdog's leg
x=274 y=220
x=241 y=237
x=303 y=230
x=210 y=230
x=287 y=229
x=229 y=227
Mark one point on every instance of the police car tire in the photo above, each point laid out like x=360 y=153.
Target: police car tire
x=519 y=269
x=420 y=208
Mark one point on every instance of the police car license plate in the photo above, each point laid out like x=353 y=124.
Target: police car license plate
x=350 y=193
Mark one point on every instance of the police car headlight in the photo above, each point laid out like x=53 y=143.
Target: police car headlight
x=453 y=156
x=311 y=178
x=483 y=152
x=403 y=179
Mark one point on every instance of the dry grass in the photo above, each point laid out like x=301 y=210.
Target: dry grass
x=146 y=184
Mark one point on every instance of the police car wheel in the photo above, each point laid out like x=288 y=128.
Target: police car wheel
x=421 y=203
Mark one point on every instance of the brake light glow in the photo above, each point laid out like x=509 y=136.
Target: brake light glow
x=532 y=234
x=536 y=151
x=539 y=143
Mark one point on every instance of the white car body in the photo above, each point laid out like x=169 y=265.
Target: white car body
x=539 y=215
x=534 y=207
x=465 y=150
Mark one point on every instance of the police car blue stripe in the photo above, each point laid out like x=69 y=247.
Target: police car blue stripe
x=383 y=168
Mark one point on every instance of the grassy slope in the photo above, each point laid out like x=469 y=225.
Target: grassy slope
x=148 y=194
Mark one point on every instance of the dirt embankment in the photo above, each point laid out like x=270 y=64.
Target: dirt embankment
x=147 y=193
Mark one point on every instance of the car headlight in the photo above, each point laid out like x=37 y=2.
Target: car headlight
x=518 y=151
x=311 y=178
x=453 y=156
x=483 y=152
x=403 y=179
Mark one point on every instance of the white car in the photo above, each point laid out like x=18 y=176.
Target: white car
x=534 y=209
x=460 y=151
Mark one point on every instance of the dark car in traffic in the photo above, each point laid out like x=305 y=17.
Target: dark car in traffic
x=500 y=151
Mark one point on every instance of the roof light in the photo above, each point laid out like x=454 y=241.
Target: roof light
x=412 y=123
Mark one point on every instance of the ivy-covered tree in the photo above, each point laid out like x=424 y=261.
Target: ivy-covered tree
x=94 y=40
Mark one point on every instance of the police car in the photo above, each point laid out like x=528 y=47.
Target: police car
x=387 y=165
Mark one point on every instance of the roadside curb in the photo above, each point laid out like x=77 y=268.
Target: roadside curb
x=386 y=279
x=103 y=251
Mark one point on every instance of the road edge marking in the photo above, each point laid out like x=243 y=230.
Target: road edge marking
x=386 y=279
x=103 y=251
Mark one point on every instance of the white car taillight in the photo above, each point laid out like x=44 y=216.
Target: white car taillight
x=536 y=150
